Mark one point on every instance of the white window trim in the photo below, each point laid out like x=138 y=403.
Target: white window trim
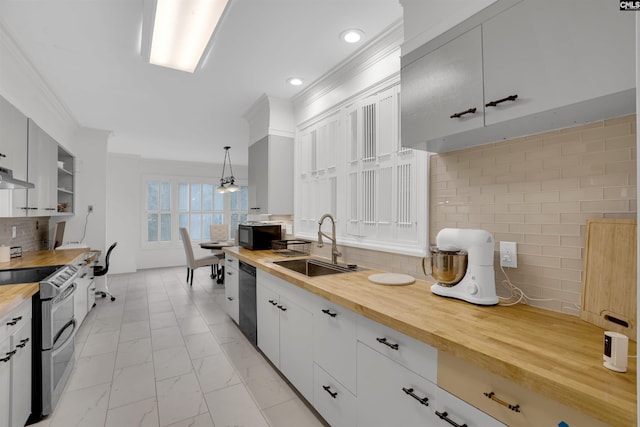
x=174 y=180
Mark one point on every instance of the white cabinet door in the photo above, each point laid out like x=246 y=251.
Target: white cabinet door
x=296 y=346
x=21 y=342
x=391 y=395
x=5 y=382
x=268 y=318
x=80 y=298
x=448 y=408
x=258 y=176
x=552 y=53
x=445 y=82
x=332 y=400
x=271 y=176
x=42 y=172
x=335 y=341
x=13 y=139
x=231 y=291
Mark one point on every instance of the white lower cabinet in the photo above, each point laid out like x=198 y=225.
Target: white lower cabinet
x=285 y=330
x=231 y=288
x=336 y=404
x=5 y=382
x=15 y=366
x=84 y=297
x=335 y=339
x=390 y=394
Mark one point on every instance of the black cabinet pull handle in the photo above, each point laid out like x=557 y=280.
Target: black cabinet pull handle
x=491 y=395
x=462 y=113
x=272 y=302
x=14 y=321
x=499 y=101
x=23 y=343
x=230 y=298
x=333 y=394
x=283 y=308
x=3 y=155
x=329 y=312
x=6 y=359
x=385 y=342
x=422 y=400
x=445 y=416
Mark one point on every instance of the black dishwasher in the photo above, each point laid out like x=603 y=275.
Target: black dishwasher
x=247 y=303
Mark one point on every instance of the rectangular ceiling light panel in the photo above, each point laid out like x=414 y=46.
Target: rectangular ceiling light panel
x=181 y=31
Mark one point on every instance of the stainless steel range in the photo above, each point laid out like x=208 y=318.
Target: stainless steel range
x=54 y=339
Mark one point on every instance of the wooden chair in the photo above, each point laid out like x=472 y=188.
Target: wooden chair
x=192 y=261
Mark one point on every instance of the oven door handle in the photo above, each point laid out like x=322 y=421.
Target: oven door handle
x=55 y=347
x=68 y=293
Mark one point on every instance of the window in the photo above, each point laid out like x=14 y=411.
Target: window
x=158 y=211
x=195 y=208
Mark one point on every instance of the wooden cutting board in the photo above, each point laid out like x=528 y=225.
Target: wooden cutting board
x=609 y=279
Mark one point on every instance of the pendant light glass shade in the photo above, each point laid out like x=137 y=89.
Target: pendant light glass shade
x=229 y=181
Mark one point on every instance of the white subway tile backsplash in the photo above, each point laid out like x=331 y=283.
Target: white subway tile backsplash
x=546 y=188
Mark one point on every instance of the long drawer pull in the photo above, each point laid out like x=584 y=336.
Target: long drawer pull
x=445 y=416
x=491 y=395
x=282 y=307
x=385 y=342
x=333 y=394
x=500 y=101
x=23 y=343
x=6 y=359
x=272 y=302
x=329 y=312
x=14 y=321
x=422 y=400
x=230 y=298
x=462 y=113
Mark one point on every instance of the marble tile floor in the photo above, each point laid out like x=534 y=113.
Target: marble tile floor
x=165 y=354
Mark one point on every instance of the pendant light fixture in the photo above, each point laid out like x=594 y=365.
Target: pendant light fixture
x=232 y=187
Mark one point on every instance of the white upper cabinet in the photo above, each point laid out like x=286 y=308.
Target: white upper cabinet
x=42 y=172
x=536 y=66
x=553 y=53
x=446 y=83
x=13 y=139
x=271 y=176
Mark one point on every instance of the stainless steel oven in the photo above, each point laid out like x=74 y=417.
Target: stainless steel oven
x=54 y=335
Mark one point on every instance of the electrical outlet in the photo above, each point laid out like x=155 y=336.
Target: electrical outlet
x=508 y=254
x=90 y=208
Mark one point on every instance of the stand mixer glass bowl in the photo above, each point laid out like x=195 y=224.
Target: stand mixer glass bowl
x=448 y=267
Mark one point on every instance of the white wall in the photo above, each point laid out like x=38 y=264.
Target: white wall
x=125 y=201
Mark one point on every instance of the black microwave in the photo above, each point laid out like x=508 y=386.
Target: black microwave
x=258 y=236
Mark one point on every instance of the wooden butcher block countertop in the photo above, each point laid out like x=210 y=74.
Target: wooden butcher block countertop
x=11 y=296
x=555 y=354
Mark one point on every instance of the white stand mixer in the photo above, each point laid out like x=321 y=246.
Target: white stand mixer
x=478 y=285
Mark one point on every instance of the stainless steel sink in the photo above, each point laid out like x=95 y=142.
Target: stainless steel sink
x=313 y=267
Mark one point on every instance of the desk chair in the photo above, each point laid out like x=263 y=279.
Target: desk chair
x=99 y=270
x=192 y=261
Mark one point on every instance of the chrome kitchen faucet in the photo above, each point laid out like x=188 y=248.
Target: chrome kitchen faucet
x=335 y=253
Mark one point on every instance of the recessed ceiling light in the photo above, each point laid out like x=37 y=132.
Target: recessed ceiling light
x=352 y=35
x=295 y=81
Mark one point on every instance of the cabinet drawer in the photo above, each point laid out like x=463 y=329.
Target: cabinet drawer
x=472 y=384
x=230 y=261
x=332 y=400
x=409 y=352
x=335 y=340
x=13 y=321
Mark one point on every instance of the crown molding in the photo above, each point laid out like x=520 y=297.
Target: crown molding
x=376 y=50
x=25 y=70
